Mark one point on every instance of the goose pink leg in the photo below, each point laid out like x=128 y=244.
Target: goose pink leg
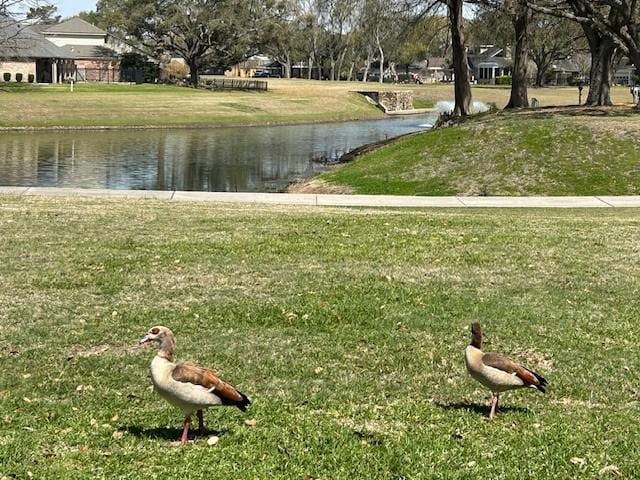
x=494 y=405
x=185 y=429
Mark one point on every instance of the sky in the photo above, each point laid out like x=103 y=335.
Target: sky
x=67 y=8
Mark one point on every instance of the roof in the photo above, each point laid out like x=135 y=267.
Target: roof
x=566 y=66
x=431 y=63
x=476 y=60
x=90 y=51
x=21 y=41
x=75 y=26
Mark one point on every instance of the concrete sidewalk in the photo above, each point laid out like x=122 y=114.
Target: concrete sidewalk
x=335 y=200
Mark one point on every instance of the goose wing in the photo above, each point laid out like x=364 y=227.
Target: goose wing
x=505 y=364
x=192 y=373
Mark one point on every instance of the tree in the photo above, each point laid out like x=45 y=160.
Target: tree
x=553 y=39
x=45 y=14
x=14 y=18
x=602 y=22
x=201 y=32
x=462 y=85
x=509 y=22
x=521 y=16
x=280 y=32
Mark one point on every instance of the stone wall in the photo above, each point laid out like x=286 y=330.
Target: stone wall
x=396 y=101
x=25 y=68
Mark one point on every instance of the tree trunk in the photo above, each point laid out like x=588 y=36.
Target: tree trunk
x=541 y=71
x=310 y=70
x=381 y=79
x=460 y=63
x=365 y=75
x=602 y=49
x=351 y=69
x=287 y=66
x=519 y=76
x=193 y=71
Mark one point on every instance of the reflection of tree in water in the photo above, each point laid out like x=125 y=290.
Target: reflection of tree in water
x=224 y=159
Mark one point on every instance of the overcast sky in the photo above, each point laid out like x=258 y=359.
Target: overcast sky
x=69 y=8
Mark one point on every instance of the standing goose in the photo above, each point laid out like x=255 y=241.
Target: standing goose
x=497 y=372
x=186 y=385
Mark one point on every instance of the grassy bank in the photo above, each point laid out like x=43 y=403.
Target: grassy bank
x=345 y=326
x=287 y=101
x=569 y=153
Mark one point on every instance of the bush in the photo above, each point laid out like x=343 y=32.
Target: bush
x=19 y=77
x=31 y=78
x=504 y=80
x=7 y=77
x=175 y=70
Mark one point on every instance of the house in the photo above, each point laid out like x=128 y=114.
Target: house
x=563 y=72
x=249 y=67
x=487 y=62
x=431 y=70
x=26 y=52
x=625 y=74
x=91 y=48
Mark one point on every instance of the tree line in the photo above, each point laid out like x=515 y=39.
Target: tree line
x=349 y=39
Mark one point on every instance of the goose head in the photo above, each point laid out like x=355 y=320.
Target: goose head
x=476 y=335
x=163 y=337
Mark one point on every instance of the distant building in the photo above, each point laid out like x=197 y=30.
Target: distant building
x=487 y=62
x=91 y=47
x=625 y=74
x=249 y=67
x=431 y=70
x=563 y=72
x=25 y=51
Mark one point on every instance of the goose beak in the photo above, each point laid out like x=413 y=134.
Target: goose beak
x=145 y=339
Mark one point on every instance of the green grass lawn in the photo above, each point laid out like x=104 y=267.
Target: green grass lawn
x=287 y=101
x=346 y=327
x=505 y=154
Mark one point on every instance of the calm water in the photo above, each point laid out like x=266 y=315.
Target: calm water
x=256 y=159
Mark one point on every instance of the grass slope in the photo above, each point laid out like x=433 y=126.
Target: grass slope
x=505 y=154
x=345 y=326
x=287 y=101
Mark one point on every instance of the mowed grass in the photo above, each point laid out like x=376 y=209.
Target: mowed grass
x=558 y=153
x=287 y=101
x=346 y=327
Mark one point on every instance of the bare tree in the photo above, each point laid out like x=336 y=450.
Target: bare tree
x=607 y=25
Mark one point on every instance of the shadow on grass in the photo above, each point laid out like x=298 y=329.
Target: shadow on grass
x=167 y=433
x=480 y=409
x=582 y=111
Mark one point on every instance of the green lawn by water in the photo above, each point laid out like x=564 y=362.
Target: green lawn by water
x=506 y=154
x=345 y=326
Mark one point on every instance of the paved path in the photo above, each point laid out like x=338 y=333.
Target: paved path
x=335 y=200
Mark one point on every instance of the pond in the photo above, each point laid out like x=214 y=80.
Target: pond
x=234 y=159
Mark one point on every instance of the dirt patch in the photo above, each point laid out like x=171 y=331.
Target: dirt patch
x=97 y=350
x=318 y=187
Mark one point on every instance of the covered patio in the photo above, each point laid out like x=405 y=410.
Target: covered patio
x=25 y=51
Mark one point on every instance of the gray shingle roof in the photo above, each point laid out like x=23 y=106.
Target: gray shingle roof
x=90 y=51
x=74 y=26
x=22 y=42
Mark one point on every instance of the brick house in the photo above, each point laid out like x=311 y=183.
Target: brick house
x=90 y=47
x=27 y=55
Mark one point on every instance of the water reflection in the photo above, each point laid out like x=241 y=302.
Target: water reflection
x=256 y=159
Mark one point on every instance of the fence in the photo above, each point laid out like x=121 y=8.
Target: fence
x=233 y=84
x=108 y=75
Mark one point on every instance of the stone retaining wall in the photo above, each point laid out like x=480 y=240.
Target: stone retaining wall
x=396 y=101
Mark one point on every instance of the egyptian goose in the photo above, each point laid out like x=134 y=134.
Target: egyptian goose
x=186 y=385
x=496 y=372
